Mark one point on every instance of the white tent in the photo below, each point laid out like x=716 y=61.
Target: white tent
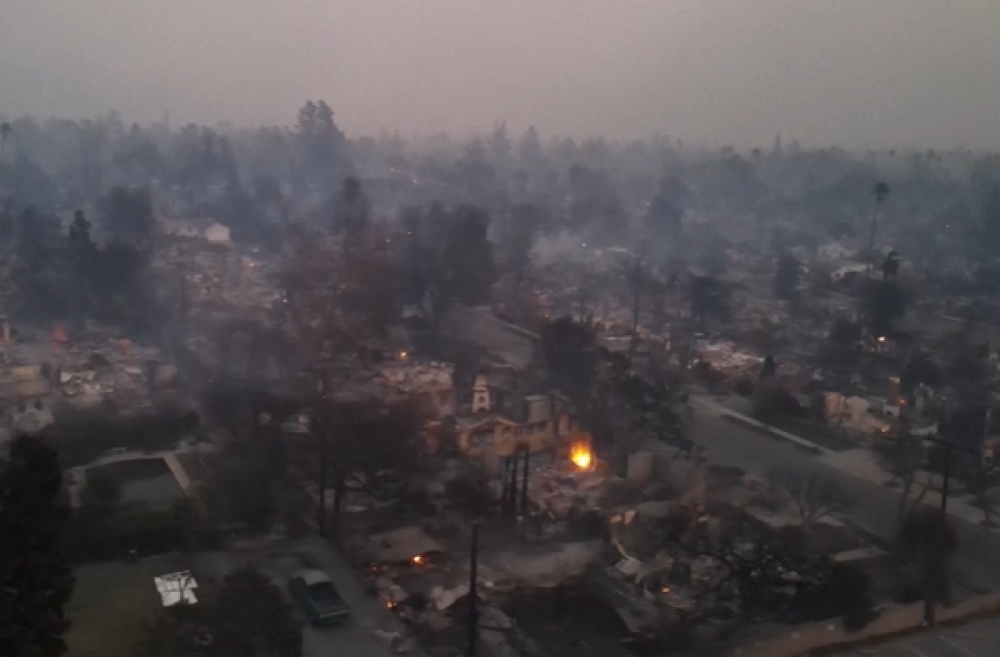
x=176 y=587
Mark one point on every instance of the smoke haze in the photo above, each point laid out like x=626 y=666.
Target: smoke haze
x=852 y=72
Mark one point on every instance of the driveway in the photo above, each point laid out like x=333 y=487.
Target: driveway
x=371 y=628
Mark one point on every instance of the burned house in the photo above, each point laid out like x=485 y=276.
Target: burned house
x=426 y=385
x=492 y=430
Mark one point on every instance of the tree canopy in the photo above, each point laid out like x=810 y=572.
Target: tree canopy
x=883 y=304
x=786 y=278
x=35 y=580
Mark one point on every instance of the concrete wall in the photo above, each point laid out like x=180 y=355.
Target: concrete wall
x=802 y=639
x=25 y=389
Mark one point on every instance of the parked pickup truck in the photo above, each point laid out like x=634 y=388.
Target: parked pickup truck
x=315 y=594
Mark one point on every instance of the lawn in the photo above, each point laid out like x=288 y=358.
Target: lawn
x=147 y=481
x=112 y=604
x=574 y=621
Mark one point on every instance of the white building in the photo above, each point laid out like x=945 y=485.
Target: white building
x=835 y=250
x=855 y=267
x=209 y=229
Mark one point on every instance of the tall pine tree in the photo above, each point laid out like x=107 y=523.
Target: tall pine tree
x=35 y=580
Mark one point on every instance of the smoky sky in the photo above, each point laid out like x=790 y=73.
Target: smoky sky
x=858 y=73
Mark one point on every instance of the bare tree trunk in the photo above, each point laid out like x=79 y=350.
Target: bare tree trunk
x=473 y=628
x=339 y=491
x=524 y=484
x=439 y=308
x=321 y=517
x=904 y=507
x=511 y=509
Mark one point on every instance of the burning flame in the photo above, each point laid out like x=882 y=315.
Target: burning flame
x=417 y=560
x=581 y=456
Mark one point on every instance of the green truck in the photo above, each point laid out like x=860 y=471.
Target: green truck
x=316 y=595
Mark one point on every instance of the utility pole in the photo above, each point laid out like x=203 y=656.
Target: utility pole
x=929 y=595
x=504 y=489
x=512 y=495
x=346 y=435
x=473 y=566
x=635 y=311
x=184 y=300
x=319 y=435
x=524 y=483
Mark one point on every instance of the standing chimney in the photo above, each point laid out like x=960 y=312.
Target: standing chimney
x=893 y=398
x=481 y=394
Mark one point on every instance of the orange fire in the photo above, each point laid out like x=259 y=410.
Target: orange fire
x=417 y=560
x=581 y=456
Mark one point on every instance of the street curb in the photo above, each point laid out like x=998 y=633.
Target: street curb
x=750 y=421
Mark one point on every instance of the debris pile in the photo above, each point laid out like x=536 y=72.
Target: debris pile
x=559 y=490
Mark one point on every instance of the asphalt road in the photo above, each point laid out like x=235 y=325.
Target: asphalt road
x=731 y=443
x=363 y=635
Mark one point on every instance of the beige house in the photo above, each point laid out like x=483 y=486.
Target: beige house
x=24 y=382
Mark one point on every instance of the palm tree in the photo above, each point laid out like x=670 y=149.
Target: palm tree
x=881 y=191
x=890 y=267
